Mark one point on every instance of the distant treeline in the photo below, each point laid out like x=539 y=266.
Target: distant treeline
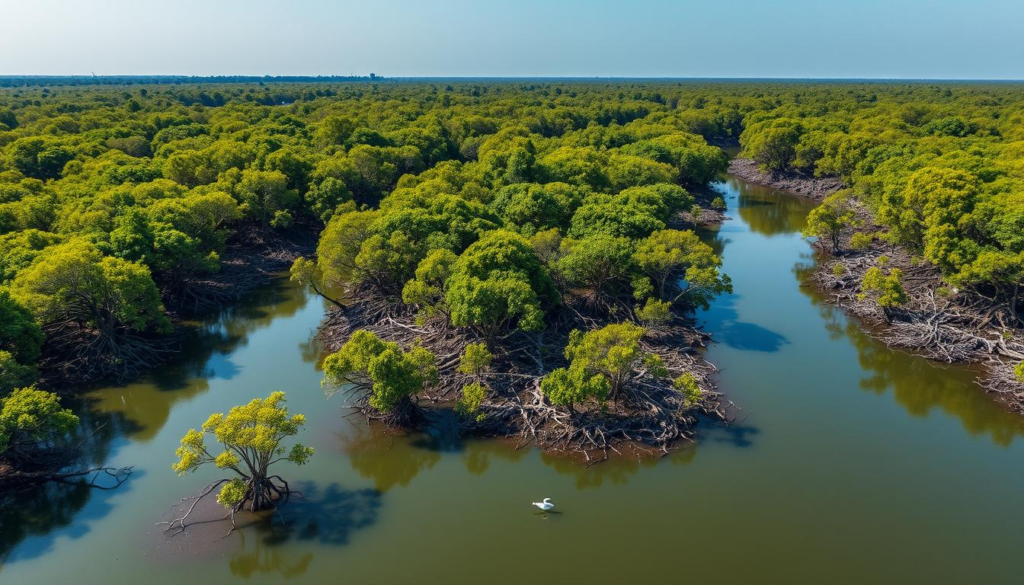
x=53 y=80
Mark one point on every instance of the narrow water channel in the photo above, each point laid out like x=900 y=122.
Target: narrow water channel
x=848 y=463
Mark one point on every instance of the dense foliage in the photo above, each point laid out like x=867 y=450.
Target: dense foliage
x=601 y=364
x=29 y=417
x=940 y=167
x=379 y=370
x=486 y=205
x=117 y=201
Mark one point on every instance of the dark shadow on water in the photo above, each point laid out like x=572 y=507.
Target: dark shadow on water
x=323 y=514
x=31 y=522
x=441 y=433
x=546 y=515
x=751 y=337
x=737 y=434
x=723 y=324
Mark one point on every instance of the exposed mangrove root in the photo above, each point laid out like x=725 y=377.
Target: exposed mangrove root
x=253 y=256
x=816 y=188
x=938 y=322
x=651 y=416
x=260 y=494
x=75 y=355
x=1002 y=382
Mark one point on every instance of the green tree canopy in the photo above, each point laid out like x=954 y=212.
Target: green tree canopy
x=380 y=370
x=73 y=282
x=29 y=417
x=250 y=438
x=498 y=283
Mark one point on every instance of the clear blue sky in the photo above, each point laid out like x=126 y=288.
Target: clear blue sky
x=973 y=39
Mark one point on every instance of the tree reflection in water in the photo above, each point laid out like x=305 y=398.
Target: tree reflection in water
x=769 y=212
x=58 y=509
x=205 y=353
x=478 y=454
x=616 y=471
x=38 y=513
x=386 y=457
x=918 y=384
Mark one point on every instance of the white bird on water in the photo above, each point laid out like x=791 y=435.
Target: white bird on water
x=545 y=505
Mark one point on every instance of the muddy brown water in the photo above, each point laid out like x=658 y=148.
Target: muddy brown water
x=850 y=463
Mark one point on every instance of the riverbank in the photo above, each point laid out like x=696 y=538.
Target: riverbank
x=937 y=321
x=252 y=257
x=812 y=187
x=823 y=406
x=70 y=360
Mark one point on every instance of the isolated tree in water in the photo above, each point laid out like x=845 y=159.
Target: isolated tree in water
x=250 y=437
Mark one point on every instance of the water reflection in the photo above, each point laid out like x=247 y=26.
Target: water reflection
x=919 y=385
x=257 y=558
x=31 y=520
x=478 y=455
x=388 y=458
x=37 y=514
x=206 y=356
x=34 y=516
x=728 y=329
x=616 y=471
x=766 y=211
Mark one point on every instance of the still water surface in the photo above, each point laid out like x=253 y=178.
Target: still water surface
x=849 y=463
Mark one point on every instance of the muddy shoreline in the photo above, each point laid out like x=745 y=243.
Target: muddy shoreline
x=810 y=187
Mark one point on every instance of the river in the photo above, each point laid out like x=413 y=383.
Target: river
x=848 y=463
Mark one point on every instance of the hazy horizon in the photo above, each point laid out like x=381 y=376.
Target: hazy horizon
x=380 y=77
x=941 y=40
